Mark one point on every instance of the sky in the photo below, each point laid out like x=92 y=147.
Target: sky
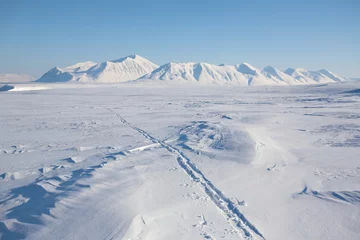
x=37 y=35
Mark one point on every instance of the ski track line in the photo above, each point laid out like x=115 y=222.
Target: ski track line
x=236 y=219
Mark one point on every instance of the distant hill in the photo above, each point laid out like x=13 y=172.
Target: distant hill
x=14 y=78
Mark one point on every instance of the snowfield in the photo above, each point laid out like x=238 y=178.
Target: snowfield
x=174 y=160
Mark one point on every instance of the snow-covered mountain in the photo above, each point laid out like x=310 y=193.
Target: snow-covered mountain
x=12 y=77
x=197 y=72
x=134 y=67
x=333 y=76
x=272 y=73
x=311 y=77
x=120 y=70
x=241 y=74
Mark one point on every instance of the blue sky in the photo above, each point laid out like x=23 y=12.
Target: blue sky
x=38 y=35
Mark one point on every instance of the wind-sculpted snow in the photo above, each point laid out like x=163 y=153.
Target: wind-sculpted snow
x=341 y=197
x=230 y=210
x=217 y=140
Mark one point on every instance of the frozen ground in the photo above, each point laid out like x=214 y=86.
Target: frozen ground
x=180 y=161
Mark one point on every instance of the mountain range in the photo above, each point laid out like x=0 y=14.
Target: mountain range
x=135 y=67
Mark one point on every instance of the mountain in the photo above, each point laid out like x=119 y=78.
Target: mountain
x=56 y=75
x=120 y=70
x=332 y=76
x=242 y=74
x=134 y=67
x=12 y=77
x=80 y=67
x=124 y=69
x=197 y=72
x=255 y=76
x=67 y=74
x=312 y=77
x=272 y=73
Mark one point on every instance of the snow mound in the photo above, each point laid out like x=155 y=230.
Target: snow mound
x=22 y=87
x=218 y=141
x=6 y=88
x=354 y=91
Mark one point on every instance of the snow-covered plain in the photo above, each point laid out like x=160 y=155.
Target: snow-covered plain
x=180 y=161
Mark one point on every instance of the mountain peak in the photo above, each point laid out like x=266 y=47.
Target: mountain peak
x=269 y=68
x=132 y=57
x=246 y=68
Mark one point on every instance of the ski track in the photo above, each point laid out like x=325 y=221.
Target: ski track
x=236 y=219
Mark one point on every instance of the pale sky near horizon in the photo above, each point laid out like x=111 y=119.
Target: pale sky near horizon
x=38 y=35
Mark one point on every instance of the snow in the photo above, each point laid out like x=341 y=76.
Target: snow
x=180 y=161
x=14 y=78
